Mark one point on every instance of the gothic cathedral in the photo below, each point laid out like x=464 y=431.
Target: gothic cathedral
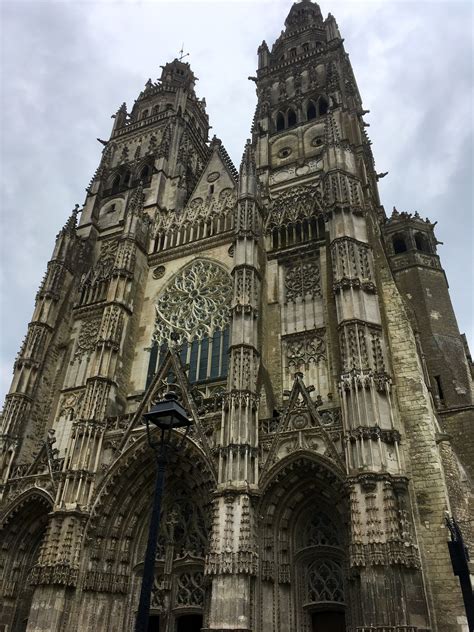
x=312 y=341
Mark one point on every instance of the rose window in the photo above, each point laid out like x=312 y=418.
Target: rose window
x=193 y=312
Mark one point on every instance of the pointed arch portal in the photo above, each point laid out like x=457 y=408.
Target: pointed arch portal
x=122 y=513
x=303 y=543
x=21 y=534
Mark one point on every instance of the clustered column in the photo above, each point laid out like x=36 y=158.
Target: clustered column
x=232 y=561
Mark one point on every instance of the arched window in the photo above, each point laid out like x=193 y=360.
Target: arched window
x=311 y=111
x=323 y=106
x=194 y=308
x=280 y=121
x=275 y=238
x=291 y=117
x=144 y=114
x=399 y=244
x=421 y=243
x=156 y=109
x=116 y=184
x=145 y=173
x=127 y=176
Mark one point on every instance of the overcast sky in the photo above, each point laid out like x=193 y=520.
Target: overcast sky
x=66 y=66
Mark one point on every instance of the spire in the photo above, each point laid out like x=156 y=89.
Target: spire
x=303 y=13
x=119 y=117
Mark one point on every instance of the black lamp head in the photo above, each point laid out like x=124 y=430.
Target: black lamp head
x=168 y=414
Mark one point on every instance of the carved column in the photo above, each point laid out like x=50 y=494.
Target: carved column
x=383 y=550
x=59 y=560
x=31 y=359
x=232 y=561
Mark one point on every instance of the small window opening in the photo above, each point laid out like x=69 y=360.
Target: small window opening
x=323 y=106
x=291 y=118
x=421 y=243
x=284 y=153
x=211 y=188
x=156 y=109
x=280 y=122
x=126 y=179
x=111 y=208
x=145 y=173
x=311 y=111
x=399 y=245
x=306 y=47
x=439 y=388
x=116 y=184
x=144 y=114
x=292 y=52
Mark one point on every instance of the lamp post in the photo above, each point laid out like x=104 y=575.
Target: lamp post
x=167 y=415
x=460 y=561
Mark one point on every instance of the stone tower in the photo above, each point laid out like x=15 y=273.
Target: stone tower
x=289 y=314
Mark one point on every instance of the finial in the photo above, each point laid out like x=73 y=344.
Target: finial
x=215 y=141
x=182 y=54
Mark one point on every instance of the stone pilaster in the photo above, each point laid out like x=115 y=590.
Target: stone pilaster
x=232 y=561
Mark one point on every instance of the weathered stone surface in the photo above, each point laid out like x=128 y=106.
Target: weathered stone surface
x=311 y=340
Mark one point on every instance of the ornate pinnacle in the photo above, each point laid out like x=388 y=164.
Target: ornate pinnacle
x=247 y=165
x=71 y=223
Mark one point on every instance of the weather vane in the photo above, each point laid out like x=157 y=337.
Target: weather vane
x=182 y=54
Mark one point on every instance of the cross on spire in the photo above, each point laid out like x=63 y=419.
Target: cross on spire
x=182 y=54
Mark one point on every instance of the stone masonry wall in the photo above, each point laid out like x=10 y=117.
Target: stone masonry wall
x=424 y=464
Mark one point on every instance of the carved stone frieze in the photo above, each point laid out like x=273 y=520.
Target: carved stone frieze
x=341 y=189
x=361 y=347
x=352 y=265
x=88 y=336
x=355 y=379
x=306 y=348
x=102 y=269
x=295 y=203
x=302 y=280
x=101 y=581
x=111 y=327
x=384 y=554
x=59 y=574
x=374 y=433
x=290 y=172
x=232 y=562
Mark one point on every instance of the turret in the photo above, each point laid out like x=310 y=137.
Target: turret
x=411 y=246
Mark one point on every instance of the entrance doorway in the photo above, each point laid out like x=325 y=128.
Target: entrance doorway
x=189 y=623
x=328 y=621
x=153 y=623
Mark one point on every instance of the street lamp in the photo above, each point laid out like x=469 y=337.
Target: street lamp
x=167 y=415
x=460 y=561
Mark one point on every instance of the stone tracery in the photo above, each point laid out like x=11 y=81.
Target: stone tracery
x=194 y=304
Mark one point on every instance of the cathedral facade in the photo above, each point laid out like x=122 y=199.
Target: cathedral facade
x=312 y=341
